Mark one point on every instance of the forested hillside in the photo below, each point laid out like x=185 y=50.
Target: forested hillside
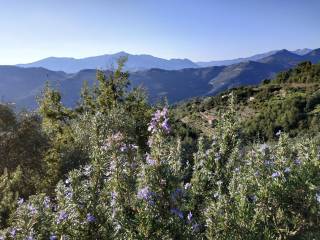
x=115 y=167
x=290 y=103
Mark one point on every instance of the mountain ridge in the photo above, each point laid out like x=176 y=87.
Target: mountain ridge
x=138 y=62
x=109 y=61
x=23 y=84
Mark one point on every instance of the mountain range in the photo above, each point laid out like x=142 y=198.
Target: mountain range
x=21 y=84
x=252 y=58
x=138 y=62
x=109 y=61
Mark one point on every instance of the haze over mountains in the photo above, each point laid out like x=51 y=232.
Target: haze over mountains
x=22 y=84
x=137 y=62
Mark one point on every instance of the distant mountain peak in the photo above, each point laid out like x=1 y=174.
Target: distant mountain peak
x=302 y=51
x=134 y=63
x=122 y=53
x=257 y=57
x=313 y=56
x=52 y=58
x=314 y=52
x=180 y=60
x=284 y=58
x=284 y=52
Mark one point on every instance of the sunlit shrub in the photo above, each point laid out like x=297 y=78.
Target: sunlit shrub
x=262 y=191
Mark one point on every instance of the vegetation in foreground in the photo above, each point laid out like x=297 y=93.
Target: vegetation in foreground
x=114 y=168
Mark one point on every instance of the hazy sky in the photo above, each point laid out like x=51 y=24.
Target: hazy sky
x=195 y=29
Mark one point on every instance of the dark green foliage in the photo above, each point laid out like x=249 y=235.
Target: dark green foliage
x=278 y=114
x=7 y=118
x=63 y=153
x=313 y=101
x=23 y=144
x=9 y=185
x=305 y=72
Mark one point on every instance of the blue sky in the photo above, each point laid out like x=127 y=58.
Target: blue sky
x=196 y=29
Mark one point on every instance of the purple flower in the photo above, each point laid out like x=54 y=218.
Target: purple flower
x=157 y=115
x=143 y=193
x=195 y=227
x=29 y=238
x=90 y=218
x=150 y=142
x=113 y=198
x=256 y=174
x=46 y=202
x=113 y=165
x=146 y=194
x=53 y=237
x=189 y=217
x=165 y=125
x=32 y=209
x=159 y=119
x=13 y=232
x=268 y=163
x=20 y=201
x=152 y=126
x=318 y=197
x=69 y=194
x=187 y=186
x=164 y=112
x=276 y=174
x=177 y=212
x=62 y=216
x=278 y=133
x=297 y=161
x=287 y=170
x=149 y=160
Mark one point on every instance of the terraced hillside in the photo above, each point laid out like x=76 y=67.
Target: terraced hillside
x=290 y=102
